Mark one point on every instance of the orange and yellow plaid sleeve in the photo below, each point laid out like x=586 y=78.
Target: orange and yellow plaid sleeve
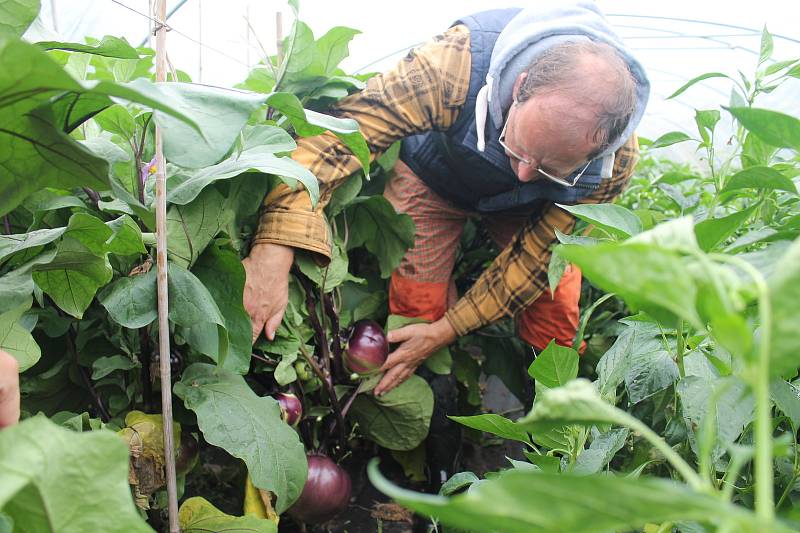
x=518 y=275
x=424 y=92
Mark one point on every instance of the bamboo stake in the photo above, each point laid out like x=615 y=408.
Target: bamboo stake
x=279 y=35
x=161 y=264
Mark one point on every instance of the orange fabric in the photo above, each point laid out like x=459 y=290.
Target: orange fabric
x=554 y=318
x=417 y=299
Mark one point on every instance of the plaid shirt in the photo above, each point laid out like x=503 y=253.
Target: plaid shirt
x=426 y=91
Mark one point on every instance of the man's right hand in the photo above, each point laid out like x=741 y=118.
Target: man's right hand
x=266 y=289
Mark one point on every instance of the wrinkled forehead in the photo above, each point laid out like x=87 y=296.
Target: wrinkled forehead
x=557 y=125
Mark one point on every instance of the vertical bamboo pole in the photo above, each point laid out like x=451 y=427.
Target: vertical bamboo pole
x=279 y=35
x=161 y=263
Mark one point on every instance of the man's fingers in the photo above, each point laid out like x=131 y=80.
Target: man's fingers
x=272 y=325
x=391 y=379
x=401 y=334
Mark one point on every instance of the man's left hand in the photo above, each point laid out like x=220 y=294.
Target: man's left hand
x=417 y=342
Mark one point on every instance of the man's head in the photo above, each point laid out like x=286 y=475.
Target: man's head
x=571 y=102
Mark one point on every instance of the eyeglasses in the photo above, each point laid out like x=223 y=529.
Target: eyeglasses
x=527 y=161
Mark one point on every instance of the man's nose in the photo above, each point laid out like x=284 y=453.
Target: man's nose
x=528 y=171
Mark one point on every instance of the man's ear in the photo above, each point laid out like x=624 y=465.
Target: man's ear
x=517 y=85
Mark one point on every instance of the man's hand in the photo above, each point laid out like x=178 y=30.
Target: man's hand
x=418 y=341
x=9 y=390
x=266 y=289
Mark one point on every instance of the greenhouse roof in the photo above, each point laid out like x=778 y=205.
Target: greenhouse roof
x=218 y=42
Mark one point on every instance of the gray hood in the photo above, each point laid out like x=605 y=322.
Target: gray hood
x=528 y=35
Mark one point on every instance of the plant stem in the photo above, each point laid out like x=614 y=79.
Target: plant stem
x=681 y=349
x=6 y=225
x=760 y=383
x=333 y=315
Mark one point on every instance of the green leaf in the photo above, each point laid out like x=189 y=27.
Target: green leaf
x=189 y=183
x=344 y=194
x=784 y=293
x=231 y=416
x=614 y=219
x=16 y=16
x=109 y=46
x=555 y=366
x=760 y=177
x=494 y=424
x=787 y=398
x=197 y=515
x=555 y=270
x=332 y=48
x=15 y=289
x=668 y=139
x=285 y=372
x=117 y=119
x=696 y=80
x=457 y=483
x=637 y=340
x=192 y=306
x=526 y=501
x=399 y=419
x=191 y=227
x=439 y=362
x=73 y=277
x=131 y=301
x=17 y=340
x=713 y=231
x=220 y=113
x=333 y=274
x=45 y=470
x=647 y=277
x=777 y=129
x=127 y=237
x=600 y=452
x=766 y=46
x=222 y=273
x=375 y=224
x=726 y=400
x=105 y=365
x=37 y=155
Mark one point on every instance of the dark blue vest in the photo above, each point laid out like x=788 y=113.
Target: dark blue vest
x=449 y=162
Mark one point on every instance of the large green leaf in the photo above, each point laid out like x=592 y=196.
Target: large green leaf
x=127 y=237
x=192 y=306
x=231 y=416
x=197 y=515
x=331 y=275
x=726 y=401
x=186 y=184
x=220 y=113
x=15 y=289
x=695 y=80
x=496 y=425
x=222 y=273
x=787 y=398
x=374 y=223
x=17 y=340
x=109 y=46
x=784 y=293
x=646 y=276
x=191 y=227
x=555 y=366
x=73 y=277
x=712 y=231
x=670 y=138
x=16 y=16
x=398 y=420
x=600 y=452
x=760 y=177
x=131 y=301
x=638 y=339
x=614 y=219
x=526 y=501
x=35 y=155
x=777 y=129
x=48 y=474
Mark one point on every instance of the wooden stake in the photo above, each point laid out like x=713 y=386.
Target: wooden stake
x=161 y=265
x=279 y=35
